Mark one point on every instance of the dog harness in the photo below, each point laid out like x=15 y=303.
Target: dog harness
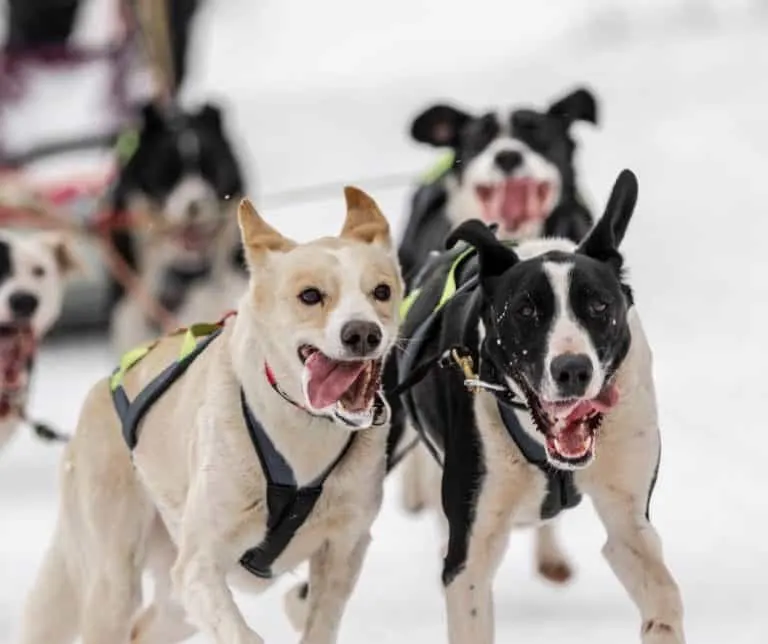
x=288 y=505
x=562 y=493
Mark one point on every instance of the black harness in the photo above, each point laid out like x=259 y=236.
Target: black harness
x=562 y=493
x=288 y=505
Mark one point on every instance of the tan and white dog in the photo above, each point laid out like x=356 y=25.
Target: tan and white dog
x=33 y=270
x=288 y=388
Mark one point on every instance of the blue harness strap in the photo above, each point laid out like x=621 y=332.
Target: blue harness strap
x=562 y=493
x=288 y=506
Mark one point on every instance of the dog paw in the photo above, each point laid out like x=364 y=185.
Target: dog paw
x=656 y=631
x=296 y=605
x=556 y=571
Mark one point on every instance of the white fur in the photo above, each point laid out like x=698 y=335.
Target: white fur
x=567 y=335
x=463 y=203
x=29 y=254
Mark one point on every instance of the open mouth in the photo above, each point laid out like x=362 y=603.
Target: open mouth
x=570 y=426
x=515 y=202
x=196 y=237
x=352 y=384
x=17 y=346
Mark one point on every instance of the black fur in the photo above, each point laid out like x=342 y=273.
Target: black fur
x=516 y=304
x=158 y=166
x=545 y=132
x=6 y=266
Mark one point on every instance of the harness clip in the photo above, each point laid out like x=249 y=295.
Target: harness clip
x=466 y=364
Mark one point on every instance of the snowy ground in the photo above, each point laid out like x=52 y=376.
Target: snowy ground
x=684 y=108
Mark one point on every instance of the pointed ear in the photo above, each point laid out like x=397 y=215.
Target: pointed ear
x=495 y=258
x=210 y=115
x=151 y=118
x=603 y=241
x=579 y=105
x=364 y=220
x=68 y=261
x=439 y=126
x=257 y=235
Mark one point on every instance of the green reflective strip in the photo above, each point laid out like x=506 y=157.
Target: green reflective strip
x=441 y=166
x=450 y=282
x=193 y=334
x=407 y=303
x=449 y=289
x=128 y=359
x=126 y=146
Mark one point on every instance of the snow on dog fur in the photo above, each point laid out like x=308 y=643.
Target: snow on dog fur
x=567 y=407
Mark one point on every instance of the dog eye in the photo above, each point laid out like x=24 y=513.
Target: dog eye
x=527 y=311
x=38 y=271
x=382 y=292
x=311 y=296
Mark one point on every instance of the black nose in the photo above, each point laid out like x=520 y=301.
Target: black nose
x=194 y=210
x=361 y=338
x=23 y=304
x=508 y=160
x=572 y=373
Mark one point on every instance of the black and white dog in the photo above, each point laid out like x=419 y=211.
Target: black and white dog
x=185 y=178
x=564 y=406
x=513 y=168
x=33 y=271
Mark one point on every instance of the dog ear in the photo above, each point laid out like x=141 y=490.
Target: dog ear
x=364 y=220
x=257 y=235
x=68 y=261
x=151 y=118
x=603 y=241
x=495 y=258
x=439 y=126
x=579 y=105
x=210 y=116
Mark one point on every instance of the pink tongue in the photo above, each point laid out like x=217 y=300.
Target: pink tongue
x=606 y=399
x=572 y=439
x=515 y=201
x=329 y=379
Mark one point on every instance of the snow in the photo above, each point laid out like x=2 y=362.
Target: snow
x=323 y=93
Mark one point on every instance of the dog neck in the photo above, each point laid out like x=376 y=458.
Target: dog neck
x=308 y=442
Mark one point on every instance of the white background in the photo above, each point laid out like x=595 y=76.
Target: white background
x=322 y=91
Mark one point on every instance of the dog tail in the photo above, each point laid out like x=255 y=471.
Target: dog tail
x=51 y=614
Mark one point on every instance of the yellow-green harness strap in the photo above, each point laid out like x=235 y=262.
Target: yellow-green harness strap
x=449 y=288
x=440 y=167
x=131 y=412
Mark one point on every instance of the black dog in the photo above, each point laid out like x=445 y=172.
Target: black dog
x=183 y=174
x=564 y=405
x=515 y=169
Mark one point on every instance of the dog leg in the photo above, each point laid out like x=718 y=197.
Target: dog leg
x=164 y=620
x=333 y=573
x=634 y=552
x=52 y=608
x=475 y=549
x=420 y=479
x=111 y=601
x=551 y=561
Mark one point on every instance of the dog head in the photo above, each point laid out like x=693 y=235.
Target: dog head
x=510 y=168
x=32 y=273
x=329 y=308
x=183 y=175
x=556 y=326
